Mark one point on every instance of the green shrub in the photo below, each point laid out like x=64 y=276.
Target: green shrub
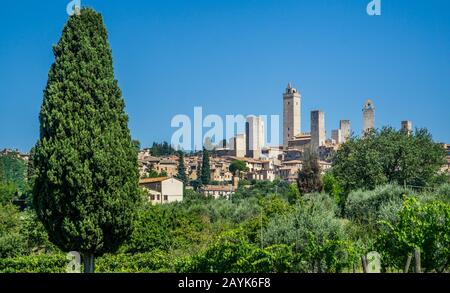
x=163 y=227
x=155 y=261
x=43 y=263
x=232 y=253
x=332 y=186
x=318 y=237
x=423 y=225
x=364 y=206
x=442 y=193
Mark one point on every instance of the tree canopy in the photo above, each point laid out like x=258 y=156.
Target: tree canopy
x=238 y=165
x=86 y=169
x=162 y=149
x=205 y=171
x=309 y=177
x=388 y=156
x=181 y=174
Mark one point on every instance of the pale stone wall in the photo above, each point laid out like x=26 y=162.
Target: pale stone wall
x=291 y=115
x=254 y=136
x=173 y=188
x=336 y=135
x=318 y=134
x=239 y=145
x=406 y=126
x=344 y=126
x=368 y=116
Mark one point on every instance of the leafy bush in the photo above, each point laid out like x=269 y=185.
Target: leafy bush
x=423 y=225
x=43 y=263
x=332 y=186
x=364 y=206
x=232 y=253
x=388 y=155
x=262 y=189
x=442 y=193
x=151 y=262
x=8 y=192
x=12 y=241
x=315 y=233
x=13 y=169
x=163 y=227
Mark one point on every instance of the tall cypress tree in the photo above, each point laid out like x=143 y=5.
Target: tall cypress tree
x=86 y=170
x=309 y=177
x=198 y=183
x=206 y=173
x=181 y=168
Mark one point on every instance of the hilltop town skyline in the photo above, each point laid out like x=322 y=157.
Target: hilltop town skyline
x=237 y=59
x=224 y=137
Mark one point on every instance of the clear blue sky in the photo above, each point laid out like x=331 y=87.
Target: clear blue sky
x=236 y=57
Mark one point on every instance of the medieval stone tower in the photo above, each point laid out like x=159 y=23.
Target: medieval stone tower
x=344 y=126
x=291 y=114
x=368 y=116
x=406 y=127
x=318 y=134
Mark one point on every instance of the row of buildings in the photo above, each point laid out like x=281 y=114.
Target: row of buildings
x=263 y=162
x=251 y=144
x=258 y=169
x=15 y=152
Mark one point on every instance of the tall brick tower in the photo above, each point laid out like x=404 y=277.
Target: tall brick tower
x=368 y=116
x=344 y=126
x=291 y=114
x=318 y=133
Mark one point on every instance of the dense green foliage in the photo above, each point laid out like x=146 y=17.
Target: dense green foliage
x=309 y=178
x=423 y=225
x=13 y=179
x=316 y=234
x=8 y=192
x=86 y=173
x=384 y=192
x=232 y=253
x=237 y=166
x=205 y=171
x=388 y=156
x=181 y=174
x=266 y=227
x=55 y=263
x=155 y=174
x=366 y=207
x=332 y=187
x=21 y=233
x=150 y=262
x=13 y=171
x=162 y=149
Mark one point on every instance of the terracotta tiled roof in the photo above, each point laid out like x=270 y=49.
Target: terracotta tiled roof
x=152 y=180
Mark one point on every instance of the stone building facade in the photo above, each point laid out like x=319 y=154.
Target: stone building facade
x=368 y=116
x=318 y=134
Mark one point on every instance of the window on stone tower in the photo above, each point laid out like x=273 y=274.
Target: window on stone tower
x=289 y=103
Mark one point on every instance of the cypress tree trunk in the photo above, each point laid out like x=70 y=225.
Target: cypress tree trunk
x=89 y=262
